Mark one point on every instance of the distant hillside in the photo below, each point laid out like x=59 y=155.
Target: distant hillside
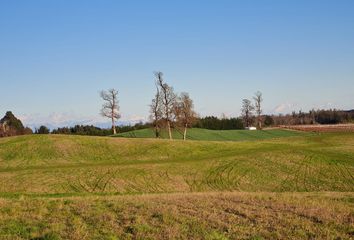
x=214 y=135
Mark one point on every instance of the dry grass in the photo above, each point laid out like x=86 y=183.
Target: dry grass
x=349 y=127
x=181 y=216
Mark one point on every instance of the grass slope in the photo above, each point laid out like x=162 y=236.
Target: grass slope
x=215 y=135
x=78 y=187
x=55 y=164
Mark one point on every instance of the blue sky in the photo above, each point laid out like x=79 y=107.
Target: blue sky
x=55 y=56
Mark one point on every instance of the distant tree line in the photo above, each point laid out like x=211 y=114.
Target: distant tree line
x=170 y=110
x=12 y=126
x=215 y=123
x=42 y=130
x=91 y=130
x=331 y=116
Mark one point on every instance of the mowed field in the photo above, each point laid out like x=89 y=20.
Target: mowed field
x=75 y=187
x=214 y=135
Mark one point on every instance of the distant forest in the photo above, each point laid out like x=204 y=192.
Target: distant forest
x=11 y=126
x=170 y=110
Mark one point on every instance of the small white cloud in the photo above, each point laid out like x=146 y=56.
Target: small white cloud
x=285 y=108
x=326 y=105
x=134 y=118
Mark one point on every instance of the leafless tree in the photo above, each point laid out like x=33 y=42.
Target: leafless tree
x=110 y=107
x=247 y=112
x=223 y=116
x=168 y=98
x=258 y=108
x=184 y=112
x=156 y=107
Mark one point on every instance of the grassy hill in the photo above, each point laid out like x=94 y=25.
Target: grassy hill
x=78 y=187
x=215 y=135
x=52 y=164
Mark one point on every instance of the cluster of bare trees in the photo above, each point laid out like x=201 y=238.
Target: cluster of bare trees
x=168 y=109
x=251 y=112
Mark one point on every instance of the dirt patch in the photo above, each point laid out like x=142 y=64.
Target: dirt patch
x=322 y=128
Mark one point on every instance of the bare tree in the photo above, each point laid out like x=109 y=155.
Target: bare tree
x=110 y=107
x=223 y=116
x=168 y=98
x=258 y=108
x=184 y=112
x=155 y=107
x=247 y=112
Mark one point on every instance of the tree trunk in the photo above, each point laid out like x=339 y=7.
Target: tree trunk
x=156 y=131
x=169 y=129
x=114 y=127
x=260 y=124
x=185 y=133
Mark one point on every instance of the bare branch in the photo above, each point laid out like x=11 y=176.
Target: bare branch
x=258 y=109
x=110 y=107
x=247 y=112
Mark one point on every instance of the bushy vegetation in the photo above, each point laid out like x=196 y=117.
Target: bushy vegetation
x=331 y=116
x=91 y=130
x=12 y=126
x=215 y=123
x=83 y=130
x=42 y=130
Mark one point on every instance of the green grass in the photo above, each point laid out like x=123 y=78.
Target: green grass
x=76 y=187
x=58 y=164
x=214 y=135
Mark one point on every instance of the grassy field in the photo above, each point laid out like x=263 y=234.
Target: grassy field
x=215 y=135
x=77 y=187
x=180 y=216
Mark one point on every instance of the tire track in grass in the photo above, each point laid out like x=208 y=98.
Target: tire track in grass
x=338 y=173
x=302 y=174
x=305 y=177
x=212 y=179
x=296 y=175
x=225 y=176
x=344 y=174
x=215 y=179
x=95 y=181
x=314 y=173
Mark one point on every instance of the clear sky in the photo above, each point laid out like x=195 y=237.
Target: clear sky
x=55 y=56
